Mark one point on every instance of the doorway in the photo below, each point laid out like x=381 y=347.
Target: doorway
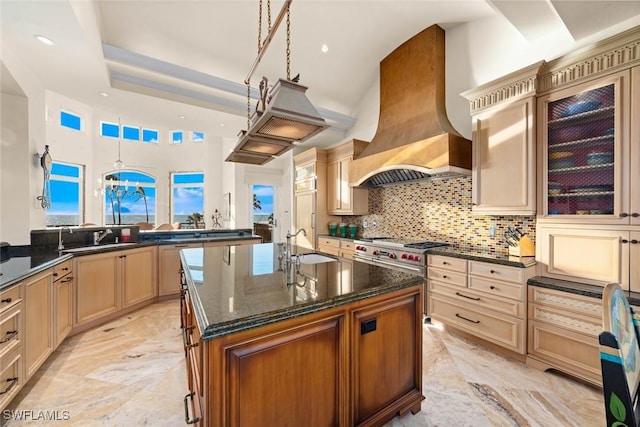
x=263 y=211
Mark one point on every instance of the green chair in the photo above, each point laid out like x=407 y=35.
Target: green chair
x=619 y=358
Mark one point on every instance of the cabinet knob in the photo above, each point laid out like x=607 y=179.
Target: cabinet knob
x=625 y=241
x=624 y=215
x=635 y=214
x=634 y=241
x=492 y=287
x=7 y=300
x=55 y=274
x=492 y=271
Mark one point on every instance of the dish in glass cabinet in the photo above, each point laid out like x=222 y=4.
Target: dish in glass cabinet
x=599 y=158
x=580 y=107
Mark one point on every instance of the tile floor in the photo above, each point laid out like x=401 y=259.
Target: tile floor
x=130 y=372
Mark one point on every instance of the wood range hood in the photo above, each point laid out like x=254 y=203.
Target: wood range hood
x=414 y=140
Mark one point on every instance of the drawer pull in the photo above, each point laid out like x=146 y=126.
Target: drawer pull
x=186 y=330
x=445 y=263
x=10 y=334
x=625 y=241
x=55 y=274
x=186 y=409
x=468 y=320
x=492 y=271
x=635 y=214
x=492 y=287
x=7 y=300
x=466 y=296
x=65 y=268
x=634 y=241
x=624 y=214
x=13 y=382
x=445 y=277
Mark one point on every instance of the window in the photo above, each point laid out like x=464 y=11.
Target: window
x=131 y=133
x=70 y=120
x=149 y=135
x=66 y=185
x=176 y=137
x=129 y=197
x=110 y=129
x=197 y=136
x=187 y=197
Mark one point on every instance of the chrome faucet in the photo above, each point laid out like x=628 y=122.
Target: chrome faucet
x=60 y=245
x=99 y=235
x=289 y=236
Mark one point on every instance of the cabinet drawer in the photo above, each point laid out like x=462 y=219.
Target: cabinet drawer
x=449 y=263
x=61 y=270
x=306 y=185
x=445 y=276
x=568 y=351
x=587 y=325
x=329 y=250
x=346 y=254
x=585 y=306
x=498 y=288
x=502 y=330
x=10 y=329
x=11 y=379
x=327 y=241
x=496 y=271
x=479 y=299
x=10 y=297
x=347 y=245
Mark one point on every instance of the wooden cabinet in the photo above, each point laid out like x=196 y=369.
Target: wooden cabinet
x=97 y=287
x=484 y=299
x=12 y=337
x=584 y=150
x=397 y=366
x=338 y=247
x=343 y=199
x=503 y=134
x=336 y=359
x=110 y=282
x=311 y=196
x=62 y=301
x=169 y=268
x=38 y=337
x=138 y=275
x=563 y=333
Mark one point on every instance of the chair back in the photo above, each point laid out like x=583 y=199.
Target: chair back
x=164 y=227
x=619 y=358
x=144 y=225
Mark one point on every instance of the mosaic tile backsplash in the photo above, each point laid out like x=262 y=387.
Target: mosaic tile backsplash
x=437 y=210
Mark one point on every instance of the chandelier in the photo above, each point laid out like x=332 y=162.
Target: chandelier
x=283 y=115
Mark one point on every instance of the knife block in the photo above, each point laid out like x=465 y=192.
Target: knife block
x=525 y=248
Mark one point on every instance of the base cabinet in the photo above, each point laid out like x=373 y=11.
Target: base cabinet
x=169 y=268
x=38 y=321
x=357 y=364
x=62 y=307
x=12 y=375
x=138 y=276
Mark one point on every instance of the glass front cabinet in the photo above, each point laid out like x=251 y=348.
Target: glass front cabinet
x=584 y=152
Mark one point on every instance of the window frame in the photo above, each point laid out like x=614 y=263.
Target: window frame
x=80 y=180
x=173 y=186
x=102 y=123
x=75 y=115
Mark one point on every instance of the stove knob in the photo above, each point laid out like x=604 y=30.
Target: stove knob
x=416 y=257
x=363 y=249
x=410 y=257
x=375 y=252
x=392 y=256
x=405 y=256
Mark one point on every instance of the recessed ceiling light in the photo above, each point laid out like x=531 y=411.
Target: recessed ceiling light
x=105 y=94
x=221 y=125
x=43 y=39
x=324 y=48
x=181 y=117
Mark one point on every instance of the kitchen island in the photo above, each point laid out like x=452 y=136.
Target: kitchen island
x=270 y=342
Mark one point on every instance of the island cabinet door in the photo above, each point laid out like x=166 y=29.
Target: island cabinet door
x=387 y=360
x=289 y=374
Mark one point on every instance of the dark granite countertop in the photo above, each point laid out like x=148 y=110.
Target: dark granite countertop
x=593 y=291
x=475 y=254
x=25 y=261
x=234 y=288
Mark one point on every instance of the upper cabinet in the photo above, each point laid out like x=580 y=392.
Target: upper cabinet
x=504 y=156
x=584 y=152
x=341 y=198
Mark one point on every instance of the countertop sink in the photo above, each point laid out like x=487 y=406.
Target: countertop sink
x=312 y=258
x=94 y=248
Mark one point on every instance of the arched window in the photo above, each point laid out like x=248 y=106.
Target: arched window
x=129 y=197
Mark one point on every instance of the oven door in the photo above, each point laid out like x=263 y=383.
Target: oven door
x=383 y=262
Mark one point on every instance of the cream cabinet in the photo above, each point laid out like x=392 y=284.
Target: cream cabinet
x=110 y=282
x=484 y=299
x=169 y=267
x=62 y=301
x=504 y=155
x=343 y=199
x=12 y=337
x=584 y=148
x=38 y=337
x=563 y=333
x=311 y=196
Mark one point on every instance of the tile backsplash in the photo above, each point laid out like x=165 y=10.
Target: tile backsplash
x=437 y=210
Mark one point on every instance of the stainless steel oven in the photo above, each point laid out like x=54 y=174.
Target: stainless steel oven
x=399 y=254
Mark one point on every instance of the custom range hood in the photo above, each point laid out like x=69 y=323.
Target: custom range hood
x=288 y=117
x=414 y=140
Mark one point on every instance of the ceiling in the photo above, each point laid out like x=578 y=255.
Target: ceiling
x=190 y=58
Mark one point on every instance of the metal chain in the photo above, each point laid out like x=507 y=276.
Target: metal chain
x=288 y=42
x=248 y=104
x=269 y=15
x=260 y=25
